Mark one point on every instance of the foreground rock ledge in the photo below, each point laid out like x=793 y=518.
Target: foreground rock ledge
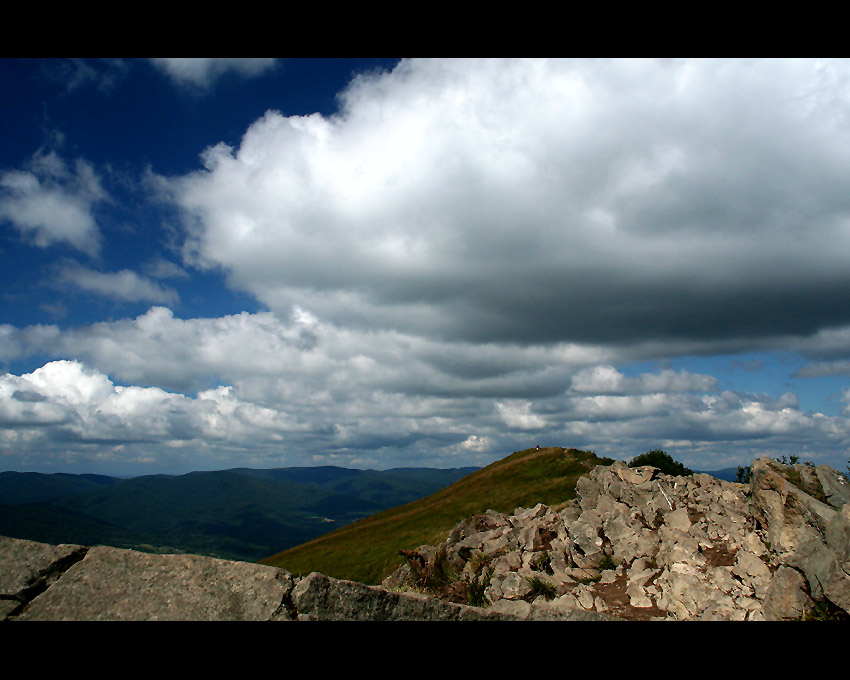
x=74 y=583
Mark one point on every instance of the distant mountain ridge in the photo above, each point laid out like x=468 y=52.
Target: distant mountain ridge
x=241 y=513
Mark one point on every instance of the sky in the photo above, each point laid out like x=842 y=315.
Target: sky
x=378 y=263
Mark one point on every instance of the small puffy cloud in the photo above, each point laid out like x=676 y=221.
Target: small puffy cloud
x=160 y=268
x=605 y=407
x=124 y=285
x=50 y=202
x=203 y=72
x=475 y=443
x=517 y=414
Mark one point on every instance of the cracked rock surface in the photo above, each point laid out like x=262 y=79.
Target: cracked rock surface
x=124 y=585
x=29 y=568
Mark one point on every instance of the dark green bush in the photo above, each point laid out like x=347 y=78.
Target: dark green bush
x=661 y=460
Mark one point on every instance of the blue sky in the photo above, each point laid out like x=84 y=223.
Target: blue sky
x=374 y=263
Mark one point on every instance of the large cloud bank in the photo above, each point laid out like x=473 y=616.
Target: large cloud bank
x=538 y=201
x=251 y=389
x=456 y=263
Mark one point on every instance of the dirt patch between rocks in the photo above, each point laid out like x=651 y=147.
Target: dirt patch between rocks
x=617 y=600
x=719 y=556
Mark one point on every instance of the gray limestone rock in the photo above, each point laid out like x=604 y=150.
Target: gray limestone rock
x=783 y=507
x=512 y=585
x=518 y=609
x=752 y=571
x=814 y=559
x=636 y=476
x=838 y=589
x=786 y=598
x=837 y=535
x=638 y=596
x=835 y=487
x=317 y=597
x=28 y=568
x=678 y=519
x=124 y=585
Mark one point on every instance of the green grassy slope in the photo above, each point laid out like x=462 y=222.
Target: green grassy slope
x=366 y=550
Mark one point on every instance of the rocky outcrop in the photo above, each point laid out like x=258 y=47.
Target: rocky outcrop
x=638 y=544
x=805 y=515
x=633 y=544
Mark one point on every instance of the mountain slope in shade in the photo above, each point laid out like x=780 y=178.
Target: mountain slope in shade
x=235 y=514
x=36 y=487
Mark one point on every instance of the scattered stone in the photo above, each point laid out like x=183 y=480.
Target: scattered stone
x=641 y=544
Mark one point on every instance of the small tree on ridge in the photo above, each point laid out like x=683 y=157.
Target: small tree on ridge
x=661 y=460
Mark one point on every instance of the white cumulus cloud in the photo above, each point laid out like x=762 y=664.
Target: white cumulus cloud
x=49 y=202
x=518 y=414
x=67 y=400
x=544 y=200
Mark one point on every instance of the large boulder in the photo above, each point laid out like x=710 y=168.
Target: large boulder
x=123 y=585
x=28 y=569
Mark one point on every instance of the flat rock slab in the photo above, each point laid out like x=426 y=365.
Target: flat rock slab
x=110 y=584
x=322 y=598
